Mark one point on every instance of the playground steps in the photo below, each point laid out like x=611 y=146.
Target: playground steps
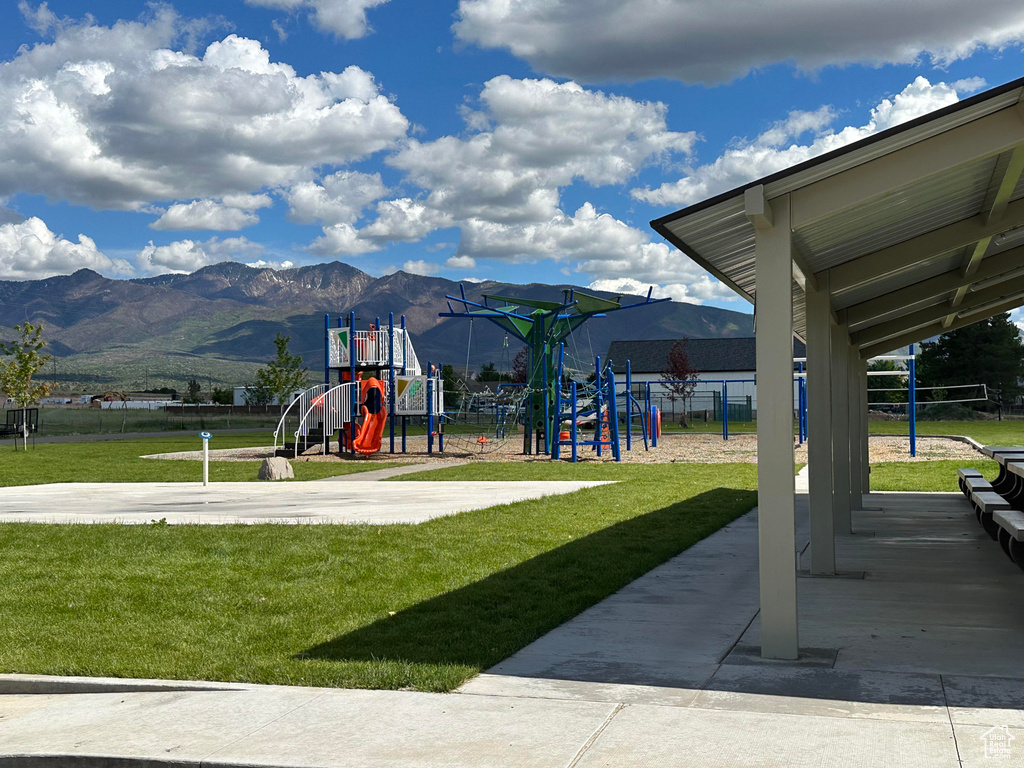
x=314 y=440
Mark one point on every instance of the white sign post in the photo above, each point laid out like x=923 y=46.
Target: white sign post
x=206 y=456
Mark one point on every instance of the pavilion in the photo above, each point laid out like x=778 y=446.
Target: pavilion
x=894 y=239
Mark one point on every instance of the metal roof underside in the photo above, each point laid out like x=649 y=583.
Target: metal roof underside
x=917 y=230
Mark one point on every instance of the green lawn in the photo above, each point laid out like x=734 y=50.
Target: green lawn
x=1008 y=432
x=118 y=461
x=396 y=606
x=925 y=475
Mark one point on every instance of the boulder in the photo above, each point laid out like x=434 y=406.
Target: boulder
x=276 y=468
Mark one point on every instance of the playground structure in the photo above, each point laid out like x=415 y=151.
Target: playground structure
x=359 y=408
x=542 y=329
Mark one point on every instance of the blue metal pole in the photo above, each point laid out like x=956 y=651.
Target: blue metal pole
x=354 y=399
x=547 y=407
x=725 y=410
x=799 y=413
x=912 y=391
x=575 y=438
x=654 y=426
x=629 y=407
x=556 y=442
x=391 y=377
x=405 y=362
x=597 y=405
x=613 y=416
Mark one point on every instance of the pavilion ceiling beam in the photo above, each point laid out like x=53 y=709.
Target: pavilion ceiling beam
x=976 y=140
x=943 y=240
x=927 y=331
x=759 y=213
x=883 y=306
x=941 y=312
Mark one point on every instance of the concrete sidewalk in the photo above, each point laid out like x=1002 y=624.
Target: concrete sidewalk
x=912 y=657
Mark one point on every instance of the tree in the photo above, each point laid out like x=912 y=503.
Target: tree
x=24 y=361
x=194 y=389
x=886 y=382
x=488 y=372
x=989 y=352
x=678 y=377
x=452 y=386
x=281 y=376
x=521 y=366
x=222 y=396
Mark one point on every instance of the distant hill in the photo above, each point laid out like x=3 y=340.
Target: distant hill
x=218 y=323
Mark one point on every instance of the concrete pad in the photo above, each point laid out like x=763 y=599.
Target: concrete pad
x=985 y=701
x=672 y=627
x=394 y=728
x=578 y=690
x=826 y=693
x=662 y=736
x=229 y=503
x=971 y=741
x=183 y=725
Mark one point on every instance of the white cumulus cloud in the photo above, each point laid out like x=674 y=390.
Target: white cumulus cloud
x=460 y=262
x=698 y=41
x=190 y=255
x=122 y=117
x=421 y=267
x=29 y=251
x=778 y=147
x=234 y=212
x=344 y=18
x=337 y=199
x=501 y=183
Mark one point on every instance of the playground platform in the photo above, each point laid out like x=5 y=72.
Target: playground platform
x=910 y=658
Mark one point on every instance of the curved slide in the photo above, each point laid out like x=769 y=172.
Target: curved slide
x=375 y=416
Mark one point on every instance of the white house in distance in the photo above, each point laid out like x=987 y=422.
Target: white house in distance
x=732 y=361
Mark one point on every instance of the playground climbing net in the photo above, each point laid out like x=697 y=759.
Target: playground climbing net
x=484 y=422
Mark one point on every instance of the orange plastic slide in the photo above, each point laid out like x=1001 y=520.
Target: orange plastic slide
x=375 y=416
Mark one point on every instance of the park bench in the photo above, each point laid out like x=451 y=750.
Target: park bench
x=1010 y=526
x=986 y=504
x=999 y=505
x=962 y=475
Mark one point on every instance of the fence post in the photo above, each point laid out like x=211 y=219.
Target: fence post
x=725 y=410
x=912 y=391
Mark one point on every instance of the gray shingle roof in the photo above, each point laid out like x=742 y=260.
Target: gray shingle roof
x=729 y=354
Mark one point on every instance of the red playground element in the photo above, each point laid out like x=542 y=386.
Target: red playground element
x=375 y=416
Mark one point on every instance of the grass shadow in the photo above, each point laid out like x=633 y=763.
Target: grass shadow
x=483 y=622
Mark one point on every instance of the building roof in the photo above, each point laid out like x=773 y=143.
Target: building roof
x=912 y=232
x=728 y=354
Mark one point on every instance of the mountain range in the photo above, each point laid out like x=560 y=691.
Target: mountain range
x=218 y=324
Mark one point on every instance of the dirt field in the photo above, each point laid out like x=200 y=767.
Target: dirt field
x=695 y=448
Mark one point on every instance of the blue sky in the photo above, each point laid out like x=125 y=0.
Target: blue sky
x=519 y=140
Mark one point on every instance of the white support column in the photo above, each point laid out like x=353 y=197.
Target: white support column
x=840 y=430
x=853 y=414
x=865 y=461
x=775 y=477
x=819 y=428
